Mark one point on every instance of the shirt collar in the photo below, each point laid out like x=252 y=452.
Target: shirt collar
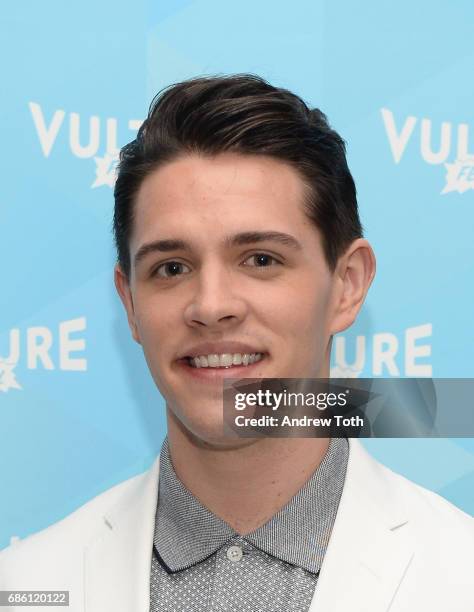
x=186 y=532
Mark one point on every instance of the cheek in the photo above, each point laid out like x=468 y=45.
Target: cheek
x=300 y=311
x=154 y=321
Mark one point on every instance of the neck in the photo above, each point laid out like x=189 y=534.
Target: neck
x=243 y=485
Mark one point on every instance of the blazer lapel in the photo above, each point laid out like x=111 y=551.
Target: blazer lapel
x=117 y=562
x=369 y=550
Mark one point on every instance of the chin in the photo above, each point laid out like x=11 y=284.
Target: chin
x=219 y=442
x=205 y=432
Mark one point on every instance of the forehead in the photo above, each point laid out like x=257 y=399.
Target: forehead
x=225 y=192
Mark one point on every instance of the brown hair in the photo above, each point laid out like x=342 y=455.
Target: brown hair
x=245 y=114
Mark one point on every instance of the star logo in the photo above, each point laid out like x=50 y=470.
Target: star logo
x=459 y=176
x=7 y=376
x=105 y=170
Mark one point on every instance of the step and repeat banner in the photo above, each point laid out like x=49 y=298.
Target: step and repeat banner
x=78 y=409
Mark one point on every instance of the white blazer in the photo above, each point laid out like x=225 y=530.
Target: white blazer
x=395 y=547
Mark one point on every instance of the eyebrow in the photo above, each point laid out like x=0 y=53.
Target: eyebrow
x=241 y=239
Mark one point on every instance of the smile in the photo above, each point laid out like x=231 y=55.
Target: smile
x=224 y=360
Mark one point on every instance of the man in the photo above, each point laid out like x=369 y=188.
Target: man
x=240 y=253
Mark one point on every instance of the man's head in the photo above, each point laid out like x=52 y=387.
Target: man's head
x=237 y=232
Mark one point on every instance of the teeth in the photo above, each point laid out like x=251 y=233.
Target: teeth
x=225 y=360
x=213 y=361
x=237 y=359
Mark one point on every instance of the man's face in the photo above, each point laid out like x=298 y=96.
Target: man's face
x=224 y=288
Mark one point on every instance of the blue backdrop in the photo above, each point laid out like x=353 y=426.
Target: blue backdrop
x=78 y=409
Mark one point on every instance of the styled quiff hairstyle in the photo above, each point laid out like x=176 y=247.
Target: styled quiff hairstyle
x=242 y=114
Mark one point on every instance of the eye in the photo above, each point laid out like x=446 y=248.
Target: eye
x=262 y=260
x=170 y=269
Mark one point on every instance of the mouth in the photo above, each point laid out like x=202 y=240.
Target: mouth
x=217 y=367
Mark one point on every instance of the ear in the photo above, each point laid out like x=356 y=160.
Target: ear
x=354 y=273
x=123 y=289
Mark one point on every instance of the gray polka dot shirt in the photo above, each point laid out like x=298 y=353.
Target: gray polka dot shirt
x=201 y=564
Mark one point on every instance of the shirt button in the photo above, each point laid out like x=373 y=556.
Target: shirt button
x=234 y=553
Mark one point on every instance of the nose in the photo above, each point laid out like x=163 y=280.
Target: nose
x=215 y=303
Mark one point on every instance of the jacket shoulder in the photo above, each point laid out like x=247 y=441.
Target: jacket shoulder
x=426 y=499
x=432 y=516
x=71 y=531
